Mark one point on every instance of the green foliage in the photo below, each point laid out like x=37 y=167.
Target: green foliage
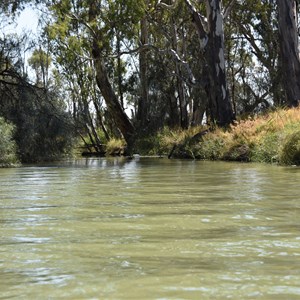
x=44 y=132
x=266 y=149
x=211 y=148
x=290 y=151
x=7 y=144
x=148 y=145
x=40 y=62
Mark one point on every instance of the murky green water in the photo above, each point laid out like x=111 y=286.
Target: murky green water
x=149 y=229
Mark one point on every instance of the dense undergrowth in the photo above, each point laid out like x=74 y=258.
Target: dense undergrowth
x=272 y=137
x=8 y=156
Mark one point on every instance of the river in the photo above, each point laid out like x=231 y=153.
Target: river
x=149 y=229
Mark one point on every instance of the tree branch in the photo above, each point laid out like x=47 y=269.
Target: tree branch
x=185 y=65
x=228 y=9
x=250 y=38
x=166 y=6
x=76 y=18
x=200 y=24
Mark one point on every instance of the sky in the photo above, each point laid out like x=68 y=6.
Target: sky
x=28 y=20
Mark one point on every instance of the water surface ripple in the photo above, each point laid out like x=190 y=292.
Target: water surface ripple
x=149 y=229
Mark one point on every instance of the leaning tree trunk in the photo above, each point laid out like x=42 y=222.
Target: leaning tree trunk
x=113 y=105
x=289 y=50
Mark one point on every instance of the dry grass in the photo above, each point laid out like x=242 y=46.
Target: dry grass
x=261 y=138
x=115 y=147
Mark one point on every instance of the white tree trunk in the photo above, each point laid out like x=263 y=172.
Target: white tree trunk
x=211 y=37
x=289 y=48
x=220 y=104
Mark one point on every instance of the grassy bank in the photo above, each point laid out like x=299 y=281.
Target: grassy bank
x=272 y=137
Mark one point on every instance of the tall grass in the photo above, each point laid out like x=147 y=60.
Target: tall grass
x=115 y=147
x=272 y=137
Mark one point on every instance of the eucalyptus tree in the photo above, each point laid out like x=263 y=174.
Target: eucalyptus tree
x=289 y=49
x=170 y=29
x=252 y=56
x=40 y=62
x=75 y=79
x=100 y=28
x=257 y=24
x=210 y=30
x=143 y=104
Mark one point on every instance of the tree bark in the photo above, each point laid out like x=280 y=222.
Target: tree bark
x=142 y=115
x=289 y=49
x=219 y=102
x=211 y=36
x=114 y=107
x=183 y=105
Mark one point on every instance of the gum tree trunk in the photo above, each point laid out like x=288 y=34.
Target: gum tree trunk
x=219 y=99
x=143 y=104
x=114 y=107
x=289 y=49
x=211 y=36
x=182 y=99
x=113 y=104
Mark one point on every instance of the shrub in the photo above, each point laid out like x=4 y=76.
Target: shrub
x=148 y=145
x=115 y=147
x=266 y=149
x=183 y=141
x=290 y=151
x=7 y=144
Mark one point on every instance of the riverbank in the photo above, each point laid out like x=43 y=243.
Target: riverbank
x=270 y=138
x=273 y=137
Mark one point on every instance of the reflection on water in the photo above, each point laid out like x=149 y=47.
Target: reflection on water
x=149 y=229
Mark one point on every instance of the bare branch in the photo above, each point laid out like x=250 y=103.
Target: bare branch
x=185 y=66
x=228 y=9
x=76 y=18
x=166 y=6
x=190 y=77
x=200 y=24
